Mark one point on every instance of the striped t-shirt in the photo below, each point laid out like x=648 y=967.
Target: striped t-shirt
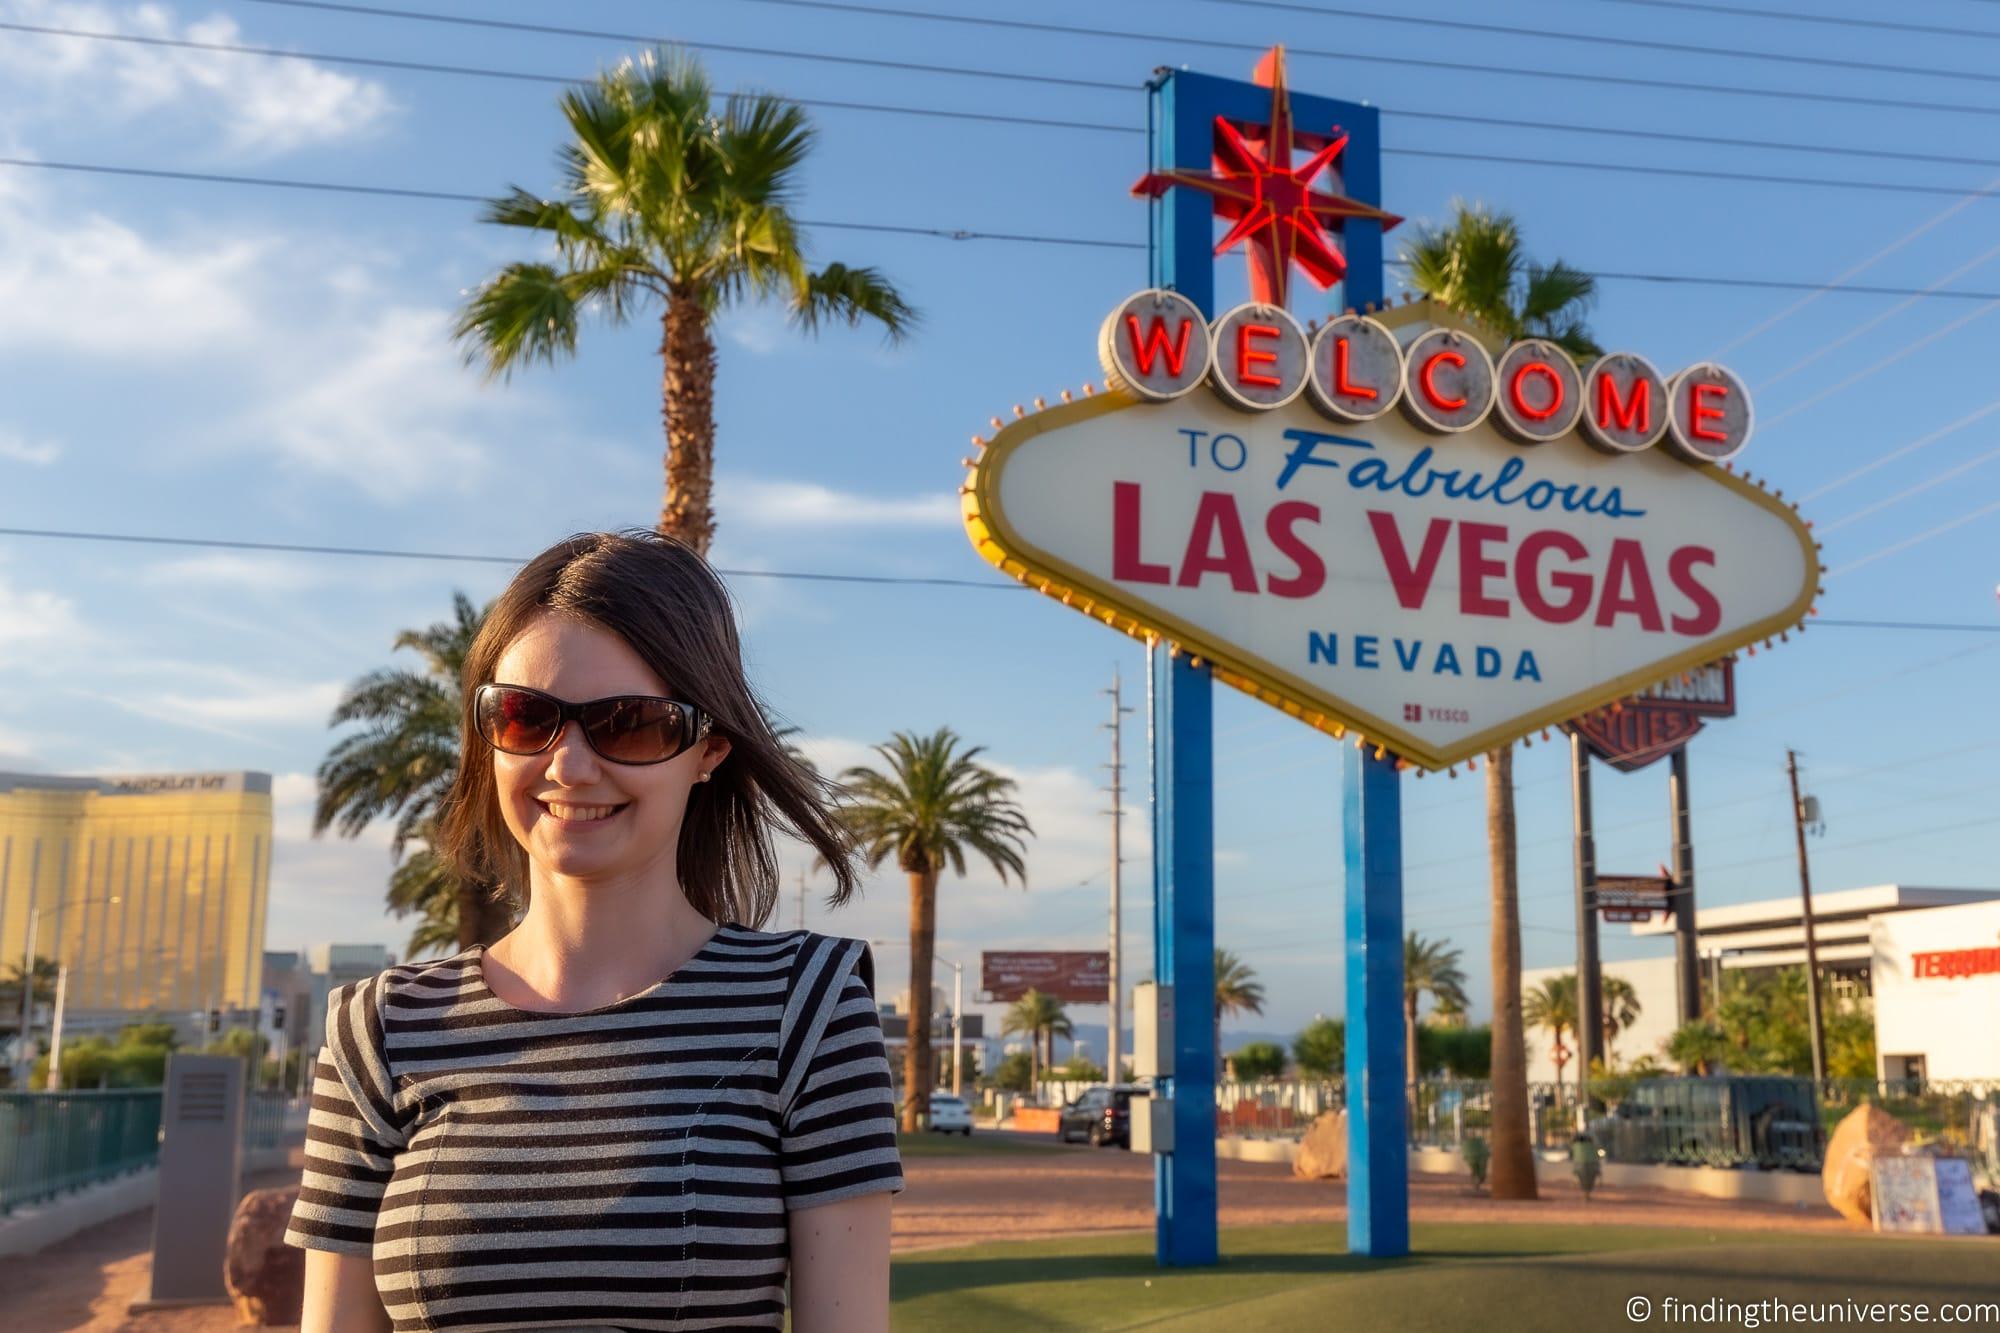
x=627 y=1167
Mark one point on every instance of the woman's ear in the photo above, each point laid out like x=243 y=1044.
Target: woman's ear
x=713 y=751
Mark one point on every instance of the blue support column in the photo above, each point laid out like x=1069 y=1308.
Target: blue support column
x=1378 y=1166
x=1184 y=1209
x=1184 y=954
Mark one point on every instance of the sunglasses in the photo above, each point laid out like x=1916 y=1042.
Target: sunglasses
x=625 y=728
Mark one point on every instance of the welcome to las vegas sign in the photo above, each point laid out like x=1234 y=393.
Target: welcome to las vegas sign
x=1397 y=527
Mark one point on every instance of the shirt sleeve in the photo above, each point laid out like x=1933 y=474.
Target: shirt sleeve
x=353 y=1131
x=839 y=1135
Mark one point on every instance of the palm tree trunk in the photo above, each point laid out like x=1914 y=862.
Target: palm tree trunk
x=1410 y=1040
x=917 y=1051
x=483 y=914
x=1513 y=1164
x=687 y=391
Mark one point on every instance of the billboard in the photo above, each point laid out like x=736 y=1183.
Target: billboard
x=1507 y=551
x=1072 y=976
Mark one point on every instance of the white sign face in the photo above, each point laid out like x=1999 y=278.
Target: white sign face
x=1440 y=593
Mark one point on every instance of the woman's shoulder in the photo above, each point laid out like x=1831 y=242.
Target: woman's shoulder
x=808 y=954
x=426 y=976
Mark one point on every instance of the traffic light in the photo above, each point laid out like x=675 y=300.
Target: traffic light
x=214 y=1021
x=278 y=1017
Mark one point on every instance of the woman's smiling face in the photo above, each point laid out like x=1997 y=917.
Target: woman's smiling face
x=576 y=813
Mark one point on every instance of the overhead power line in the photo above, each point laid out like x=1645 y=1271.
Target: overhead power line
x=939 y=233
x=1832 y=20
x=1102 y=127
x=990 y=585
x=1431 y=23
x=1351 y=57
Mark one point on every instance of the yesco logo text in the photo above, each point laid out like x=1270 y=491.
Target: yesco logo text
x=1354 y=369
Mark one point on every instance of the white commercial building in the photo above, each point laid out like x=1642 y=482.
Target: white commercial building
x=1918 y=950
x=1937 y=993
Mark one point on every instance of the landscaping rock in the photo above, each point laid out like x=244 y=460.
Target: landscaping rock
x=266 y=1277
x=1323 y=1151
x=1868 y=1132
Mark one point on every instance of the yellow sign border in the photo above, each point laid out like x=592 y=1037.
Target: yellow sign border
x=1001 y=545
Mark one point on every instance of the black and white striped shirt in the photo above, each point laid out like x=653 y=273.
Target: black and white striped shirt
x=626 y=1167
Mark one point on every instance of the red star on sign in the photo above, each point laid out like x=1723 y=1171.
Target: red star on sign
x=1276 y=212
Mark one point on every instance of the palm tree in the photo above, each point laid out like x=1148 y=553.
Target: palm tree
x=1513 y=1168
x=1552 y=1007
x=1042 y=1019
x=1429 y=966
x=1621 y=1011
x=1477 y=265
x=932 y=805
x=400 y=766
x=1237 y=991
x=1449 y=1012
x=665 y=203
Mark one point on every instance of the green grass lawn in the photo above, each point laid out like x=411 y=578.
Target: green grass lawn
x=1567 y=1279
x=979 y=1144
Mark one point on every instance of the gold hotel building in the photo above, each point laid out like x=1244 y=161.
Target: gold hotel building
x=151 y=887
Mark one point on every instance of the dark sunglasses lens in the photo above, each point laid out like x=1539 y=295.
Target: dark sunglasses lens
x=636 y=731
x=515 y=720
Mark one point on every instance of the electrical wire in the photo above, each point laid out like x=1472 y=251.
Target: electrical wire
x=1432 y=23
x=990 y=585
x=1349 y=56
x=1921 y=442
x=1919 y=539
x=1760 y=178
x=949 y=233
x=1836 y=20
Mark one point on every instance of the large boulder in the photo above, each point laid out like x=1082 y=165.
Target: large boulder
x=1323 y=1151
x=265 y=1276
x=1868 y=1132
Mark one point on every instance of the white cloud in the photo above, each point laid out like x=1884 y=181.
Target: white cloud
x=275 y=704
x=89 y=283
x=19 y=449
x=39 y=626
x=389 y=410
x=259 y=104
x=230 y=571
x=806 y=504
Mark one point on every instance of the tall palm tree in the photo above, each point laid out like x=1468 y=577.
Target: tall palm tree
x=1429 y=967
x=1042 y=1019
x=1478 y=265
x=1552 y=1007
x=1237 y=991
x=1513 y=1165
x=400 y=766
x=932 y=805
x=1621 y=1011
x=666 y=204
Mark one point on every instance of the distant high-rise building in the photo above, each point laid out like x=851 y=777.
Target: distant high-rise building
x=152 y=888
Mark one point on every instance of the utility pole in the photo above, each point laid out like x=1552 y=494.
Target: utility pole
x=1589 y=973
x=1687 y=967
x=1812 y=945
x=1116 y=1036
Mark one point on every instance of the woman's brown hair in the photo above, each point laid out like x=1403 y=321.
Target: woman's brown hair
x=662 y=598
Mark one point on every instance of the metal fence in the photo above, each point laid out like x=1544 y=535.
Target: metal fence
x=53 y=1142
x=1445 y=1112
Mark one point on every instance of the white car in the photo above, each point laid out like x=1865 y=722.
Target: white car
x=950 y=1115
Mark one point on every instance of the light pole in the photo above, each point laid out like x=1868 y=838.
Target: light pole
x=62 y=988
x=957 y=1015
x=1802 y=813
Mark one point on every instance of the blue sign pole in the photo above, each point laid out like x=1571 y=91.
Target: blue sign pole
x=1182 y=116
x=1184 y=1207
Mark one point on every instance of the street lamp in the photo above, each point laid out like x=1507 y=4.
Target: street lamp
x=957 y=1015
x=62 y=986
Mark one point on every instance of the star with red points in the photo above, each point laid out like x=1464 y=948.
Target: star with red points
x=1277 y=215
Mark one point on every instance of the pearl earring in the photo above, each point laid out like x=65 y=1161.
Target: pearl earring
x=705 y=777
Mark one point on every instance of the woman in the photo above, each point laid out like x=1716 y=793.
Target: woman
x=635 y=1110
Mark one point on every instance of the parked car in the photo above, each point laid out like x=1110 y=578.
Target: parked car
x=1763 y=1120
x=950 y=1115
x=1100 y=1116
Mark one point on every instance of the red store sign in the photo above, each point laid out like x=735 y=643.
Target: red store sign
x=1955 y=963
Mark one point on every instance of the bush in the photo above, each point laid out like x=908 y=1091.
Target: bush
x=1457 y=1052
x=1320 y=1050
x=1258 y=1059
x=1015 y=1073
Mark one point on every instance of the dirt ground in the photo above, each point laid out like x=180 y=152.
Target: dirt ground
x=85 y=1283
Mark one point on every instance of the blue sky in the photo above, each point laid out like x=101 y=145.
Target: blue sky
x=202 y=360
